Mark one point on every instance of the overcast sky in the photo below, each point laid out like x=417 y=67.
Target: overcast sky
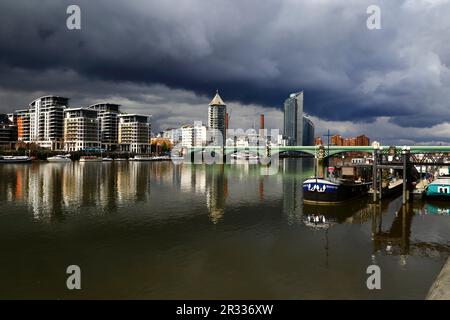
x=167 y=58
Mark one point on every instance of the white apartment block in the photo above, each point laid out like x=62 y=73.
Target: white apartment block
x=108 y=116
x=134 y=133
x=174 y=135
x=81 y=130
x=193 y=136
x=46 y=124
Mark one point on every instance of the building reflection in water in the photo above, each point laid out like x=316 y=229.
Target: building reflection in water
x=216 y=191
x=51 y=189
x=207 y=180
x=190 y=178
x=293 y=176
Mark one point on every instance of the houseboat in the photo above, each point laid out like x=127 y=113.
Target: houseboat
x=343 y=184
x=439 y=188
x=142 y=157
x=15 y=159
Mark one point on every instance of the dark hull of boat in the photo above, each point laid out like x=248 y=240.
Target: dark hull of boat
x=323 y=193
x=437 y=197
x=15 y=161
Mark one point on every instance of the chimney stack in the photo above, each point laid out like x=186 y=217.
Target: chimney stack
x=261 y=121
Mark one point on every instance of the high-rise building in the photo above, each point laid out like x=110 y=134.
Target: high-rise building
x=134 y=133
x=308 y=132
x=47 y=121
x=217 y=118
x=81 y=129
x=109 y=124
x=293 y=119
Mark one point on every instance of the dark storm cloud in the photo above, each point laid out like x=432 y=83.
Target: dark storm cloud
x=256 y=51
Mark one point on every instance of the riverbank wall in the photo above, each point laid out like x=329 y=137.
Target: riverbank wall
x=440 y=290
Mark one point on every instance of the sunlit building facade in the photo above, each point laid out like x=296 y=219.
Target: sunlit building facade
x=193 y=135
x=134 y=133
x=108 y=116
x=47 y=122
x=81 y=130
x=338 y=140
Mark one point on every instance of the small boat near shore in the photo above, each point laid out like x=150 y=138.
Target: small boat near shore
x=60 y=158
x=107 y=159
x=90 y=159
x=149 y=158
x=142 y=157
x=15 y=159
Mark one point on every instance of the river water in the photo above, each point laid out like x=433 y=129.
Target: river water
x=156 y=230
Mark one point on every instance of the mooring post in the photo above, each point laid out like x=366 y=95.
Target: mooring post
x=374 y=174
x=380 y=187
x=405 y=196
x=408 y=151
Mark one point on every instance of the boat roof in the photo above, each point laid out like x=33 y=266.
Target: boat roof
x=445 y=180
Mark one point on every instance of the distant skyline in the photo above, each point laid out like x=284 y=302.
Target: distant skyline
x=154 y=57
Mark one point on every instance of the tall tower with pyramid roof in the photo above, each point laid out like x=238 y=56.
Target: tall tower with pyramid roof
x=217 y=115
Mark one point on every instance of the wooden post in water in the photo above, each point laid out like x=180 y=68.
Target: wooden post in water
x=404 y=176
x=380 y=188
x=374 y=175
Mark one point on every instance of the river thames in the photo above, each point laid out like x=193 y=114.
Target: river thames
x=156 y=230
